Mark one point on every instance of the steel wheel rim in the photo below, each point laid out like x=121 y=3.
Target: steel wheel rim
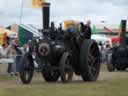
x=67 y=68
x=27 y=69
x=93 y=60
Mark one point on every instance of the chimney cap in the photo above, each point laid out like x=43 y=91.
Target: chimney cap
x=45 y=4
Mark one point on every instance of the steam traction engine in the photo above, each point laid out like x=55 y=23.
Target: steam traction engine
x=119 y=58
x=60 y=53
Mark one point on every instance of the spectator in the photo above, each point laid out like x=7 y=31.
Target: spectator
x=11 y=53
x=101 y=45
x=26 y=46
x=18 y=54
x=3 y=50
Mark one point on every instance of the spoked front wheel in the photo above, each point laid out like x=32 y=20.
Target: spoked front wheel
x=26 y=68
x=66 y=70
x=49 y=73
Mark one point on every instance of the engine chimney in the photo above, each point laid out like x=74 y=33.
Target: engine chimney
x=123 y=29
x=46 y=15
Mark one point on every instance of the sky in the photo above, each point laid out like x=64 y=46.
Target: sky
x=110 y=11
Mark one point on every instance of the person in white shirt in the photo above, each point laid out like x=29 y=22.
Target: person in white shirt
x=3 y=50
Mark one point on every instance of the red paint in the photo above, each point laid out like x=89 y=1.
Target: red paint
x=115 y=39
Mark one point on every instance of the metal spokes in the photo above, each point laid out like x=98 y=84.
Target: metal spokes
x=93 y=59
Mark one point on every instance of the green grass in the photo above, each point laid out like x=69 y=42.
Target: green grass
x=5 y=77
x=101 y=88
x=109 y=84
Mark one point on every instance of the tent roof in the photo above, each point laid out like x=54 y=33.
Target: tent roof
x=9 y=32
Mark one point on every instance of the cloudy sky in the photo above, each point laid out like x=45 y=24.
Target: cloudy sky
x=111 y=11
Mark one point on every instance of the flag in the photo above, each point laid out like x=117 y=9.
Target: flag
x=24 y=35
x=108 y=29
x=37 y=3
x=94 y=29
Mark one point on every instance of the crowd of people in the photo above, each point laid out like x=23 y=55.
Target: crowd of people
x=12 y=51
x=105 y=50
x=104 y=45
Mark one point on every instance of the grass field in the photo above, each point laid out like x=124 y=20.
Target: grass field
x=108 y=84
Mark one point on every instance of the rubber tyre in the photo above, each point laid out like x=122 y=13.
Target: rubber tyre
x=89 y=50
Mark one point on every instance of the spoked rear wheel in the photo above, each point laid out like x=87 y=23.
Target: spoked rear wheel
x=66 y=70
x=89 y=60
x=26 y=68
